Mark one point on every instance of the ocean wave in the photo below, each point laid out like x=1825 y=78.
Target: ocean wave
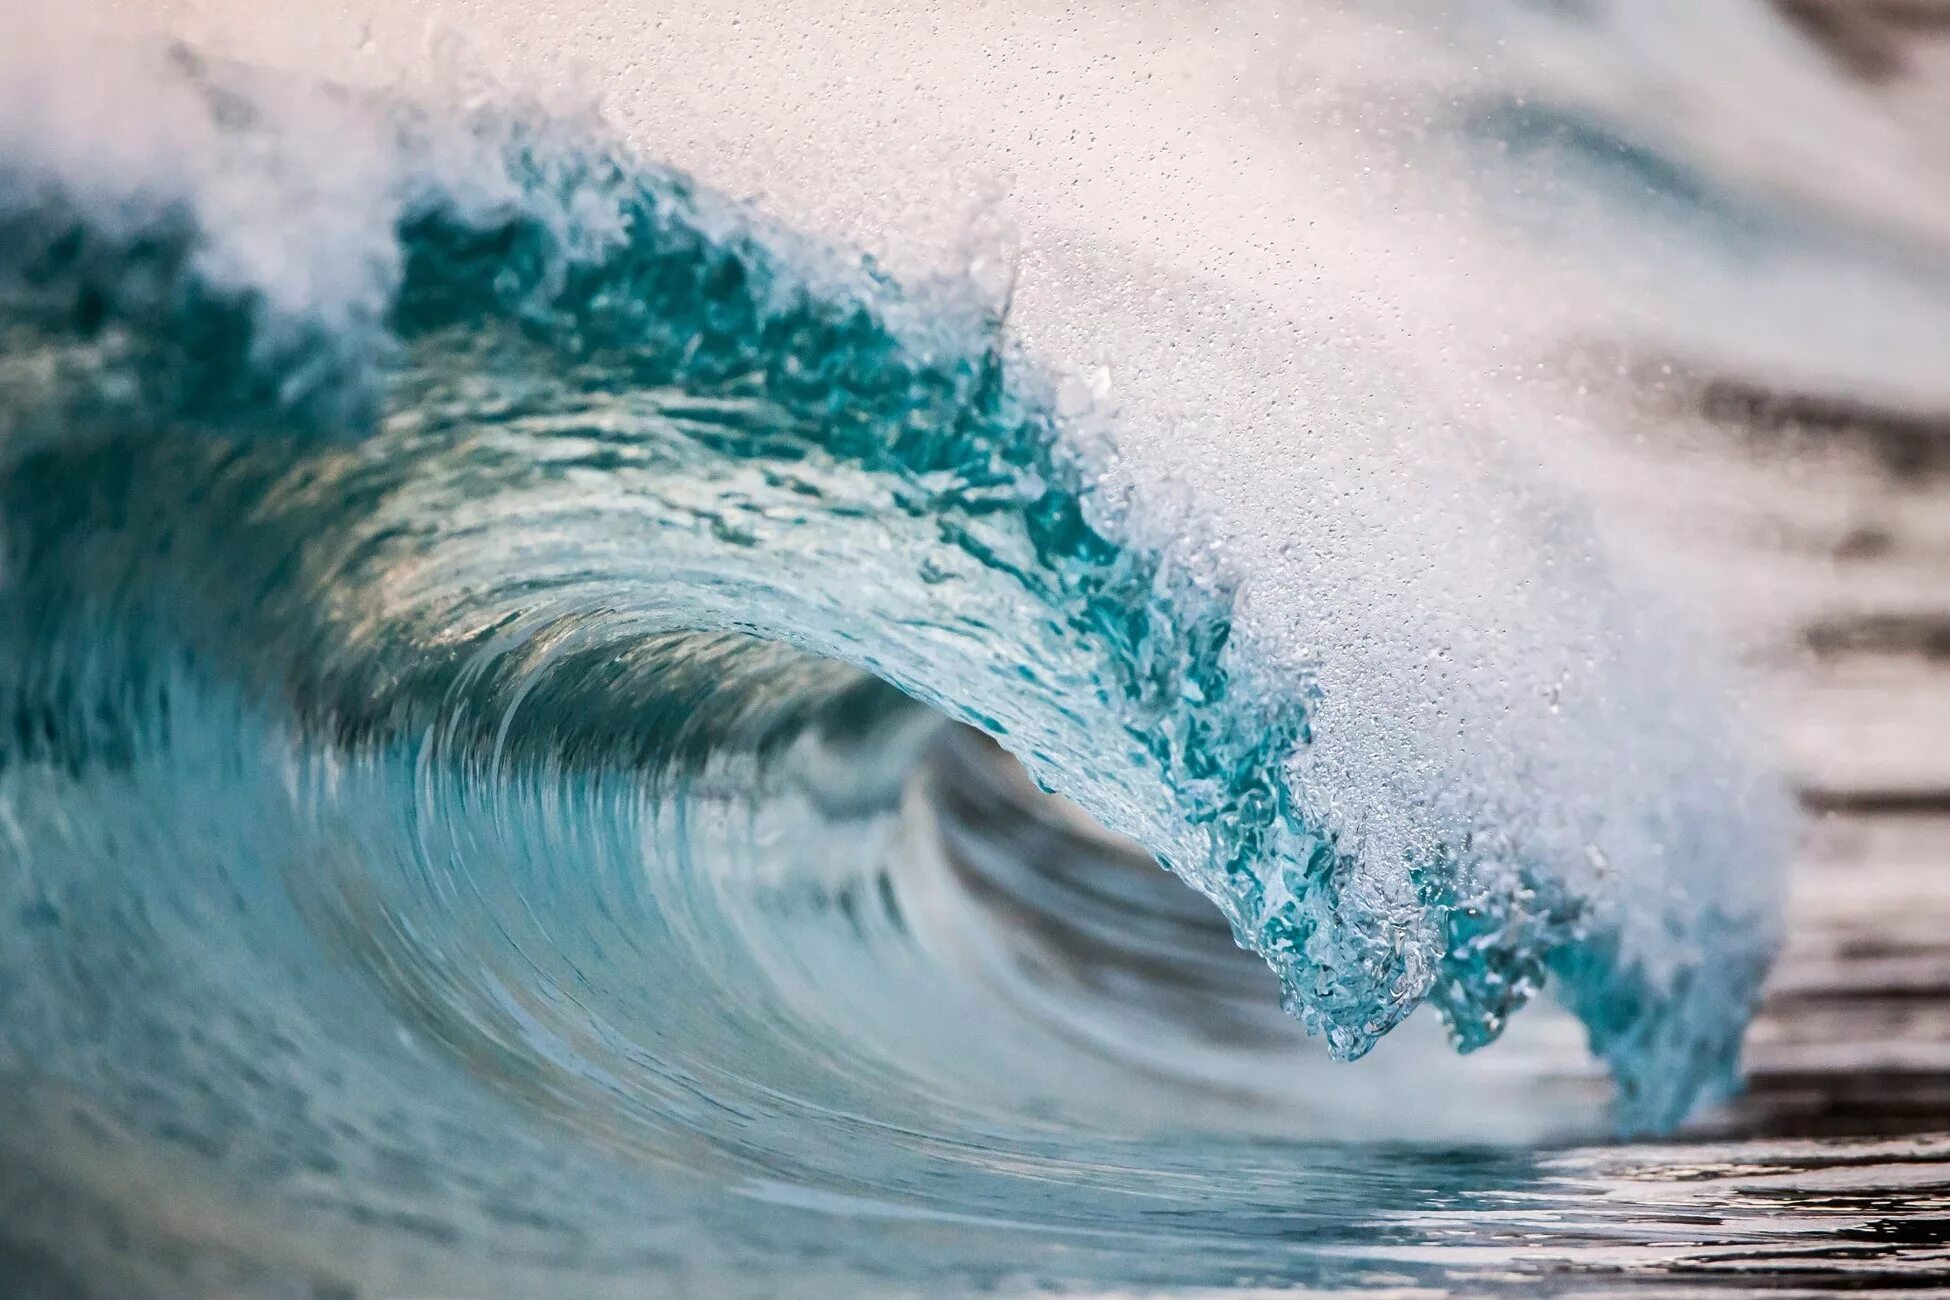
x=496 y=647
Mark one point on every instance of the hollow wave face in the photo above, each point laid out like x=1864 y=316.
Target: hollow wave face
x=591 y=738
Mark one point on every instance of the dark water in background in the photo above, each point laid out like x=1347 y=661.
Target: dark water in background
x=493 y=801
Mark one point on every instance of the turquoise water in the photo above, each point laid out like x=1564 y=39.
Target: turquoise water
x=490 y=787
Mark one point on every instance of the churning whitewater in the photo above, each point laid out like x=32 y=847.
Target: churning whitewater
x=499 y=654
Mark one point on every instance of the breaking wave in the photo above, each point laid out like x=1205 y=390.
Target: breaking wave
x=551 y=721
